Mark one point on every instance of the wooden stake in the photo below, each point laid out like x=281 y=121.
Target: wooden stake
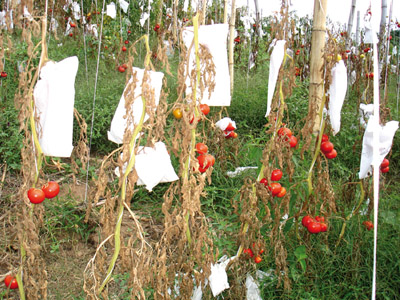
x=350 y=24
x=203 y=18
x=231 y=38
x=175 y=21
x=225 y=11
x=358 y=28
x=316 y=88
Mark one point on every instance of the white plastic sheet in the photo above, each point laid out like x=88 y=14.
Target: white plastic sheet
x=54 y=95
x=111 y=10
x=213 y=37
x=366 y=111
x=143 y=18
x=119 y=123
x=337 y=92
x=218 y=279
x=76 y=10
x=252 y=290
x=275 y=64
x=386 y=134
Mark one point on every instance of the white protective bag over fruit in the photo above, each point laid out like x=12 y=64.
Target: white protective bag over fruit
x=386 y=134
x=337 y=93
x=213 y=37
x=54 y=96
x=119 y=123
x=276 y=60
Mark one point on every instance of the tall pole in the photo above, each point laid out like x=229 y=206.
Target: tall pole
x=231 y=37
x=350 y=24
x=225 y=11
x=358 y=28
x=316 y=88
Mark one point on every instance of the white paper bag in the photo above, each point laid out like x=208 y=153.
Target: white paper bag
x=54 y=95
x=111 y=10
x=119 y=123
x=213 y=37
x=337 y=92
x=124 y=5
x=275 y=64
x=386 y=134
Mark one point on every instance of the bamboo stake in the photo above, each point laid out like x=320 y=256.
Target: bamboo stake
x=358 y=29
x=231 y=37
x=203 y=17
x=225 y=11
x=383 y=20
x=175 y=21
x=316 y=88
x=350 y=24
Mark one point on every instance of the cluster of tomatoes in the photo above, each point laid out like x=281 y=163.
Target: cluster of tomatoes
x=122 y=68
x=275 y=188
x=297 y=52
x=178 y=114
x=3 y=74
x=249 y=252
x=205 y=160
x=385 y=166
x=327 y=148
x=156 y=27
x=368 y=225
x=314 y=225
x=49 y=190
x=124 y=47
x=229 y=131
x=286 y=134
x=369 y=75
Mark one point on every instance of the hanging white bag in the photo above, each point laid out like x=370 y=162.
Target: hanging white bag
x=119 y=123
x=276 y=60
x=111 y=10
x=54 y=95
x=213 y=37
x=337 y=92
x=386 y=134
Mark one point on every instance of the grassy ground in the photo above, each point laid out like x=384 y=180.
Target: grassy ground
x=343 y=272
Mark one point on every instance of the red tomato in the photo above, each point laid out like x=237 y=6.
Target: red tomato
x=11 y=282
x=123 y=48
x=125 y=66
x=276 y=175
x=126 y=42
x=314 y=227
x=319 y=219
x=306 y=220
x=331 y=154
x=3 y=74
x=371 y=75
x=368 y=225
x=275 y=188
x=201 y=148
x=325 y=138
x=257 y=259
x=73 y=25
x=121 y=69
x=156 y=27
x=205 y=109
x=324 y=227
x=230 y=134
x=71 y=34
x=264 y=181
x=51 y=189
x=284 y=131
x=205 y=161
x=385 y=163
x=36 y=196
x=282 y=193
x=249 y=252
x=385 y=170
x=129 y=32
x=292 y=141
x=326 y=147
x=230 y=127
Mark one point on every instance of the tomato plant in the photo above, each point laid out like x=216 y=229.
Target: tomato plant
x=11 y=282
x=51 y=189
x=36 y=196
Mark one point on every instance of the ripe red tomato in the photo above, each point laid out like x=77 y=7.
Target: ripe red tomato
x=282 y=193
x=205 y=161
x=129 y=32
x=201 y=148
x=385 y=163
x=257 y=259
x=71 y=34
x=276 y=175
x=156 y=27
x=11 y=282
x=36 y=196
x=211 y=159
x=284 y=131
x=51 y=189
x=325 y=138
x=368 y=225
x=205 y=109
x=264 y=181
x=326 y=147
x=275 y=188
x=3 y=74
x=331 y=155
x=324 y=227
x=177 y=112
x=73 y=25
x=121 y=69
x=319 y=219
x=125 y=66
x=385 y=170
x=306 y=220
x=371 y=75
x=314 y=227
x=123 y=48
x=126 y=42
x=249 y=252
x=292 y=141
x=230 y=127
